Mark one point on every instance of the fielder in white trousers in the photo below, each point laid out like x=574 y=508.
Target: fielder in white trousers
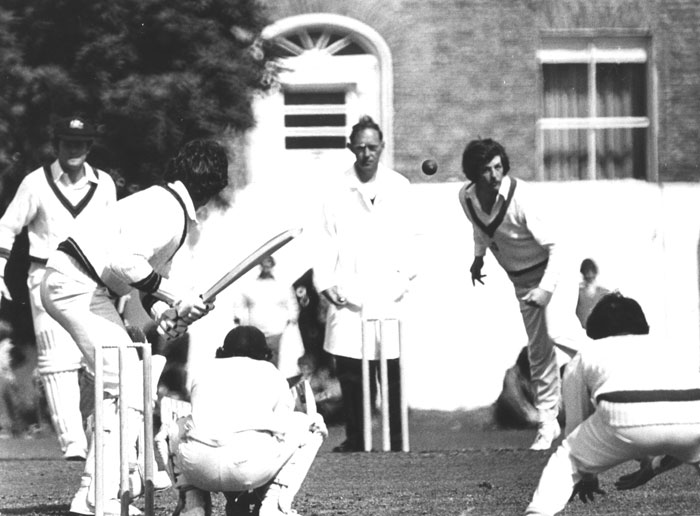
x=626 y=398
x=59 y=362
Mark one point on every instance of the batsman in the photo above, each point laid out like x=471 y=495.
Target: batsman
x=130 y=248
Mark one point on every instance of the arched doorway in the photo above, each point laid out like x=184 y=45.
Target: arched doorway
x=335 y=69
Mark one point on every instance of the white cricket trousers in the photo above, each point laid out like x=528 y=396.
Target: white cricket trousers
x=594 y=447
x=88 y=312
x=554 y=325
x=58 y=364
x=250 y=460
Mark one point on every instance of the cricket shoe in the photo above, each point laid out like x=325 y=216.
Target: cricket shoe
x=547 y=433
x=271 y=505
x=271 y=510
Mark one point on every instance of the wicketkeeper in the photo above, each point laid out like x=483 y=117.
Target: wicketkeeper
x=255 y=448
x=131 y=248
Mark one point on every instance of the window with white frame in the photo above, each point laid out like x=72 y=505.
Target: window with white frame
x=316 y=117
x=596 y=108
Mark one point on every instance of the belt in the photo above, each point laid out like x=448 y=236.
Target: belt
x=528 y=269
x=649 y=396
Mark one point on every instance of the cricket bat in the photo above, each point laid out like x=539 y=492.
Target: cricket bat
x=250 y=261
x=253 y=259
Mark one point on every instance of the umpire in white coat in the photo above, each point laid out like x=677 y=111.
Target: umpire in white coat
x=364 y=267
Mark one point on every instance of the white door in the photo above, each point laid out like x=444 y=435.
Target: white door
x=303 y=126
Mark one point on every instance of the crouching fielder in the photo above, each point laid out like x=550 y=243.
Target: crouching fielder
x=252 y=446
x=626 y=398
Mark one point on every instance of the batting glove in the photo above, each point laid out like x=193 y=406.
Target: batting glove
x=586 y=488
x=192 y=308
x=170 y=325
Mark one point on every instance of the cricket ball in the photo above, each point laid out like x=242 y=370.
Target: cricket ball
x=429 y=167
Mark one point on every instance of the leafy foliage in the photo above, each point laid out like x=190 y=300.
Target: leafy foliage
x=151 y=72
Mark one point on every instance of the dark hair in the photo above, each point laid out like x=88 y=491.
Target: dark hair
x=245 y=341
x=365 y=122
x=589 y=265
x=480 y=152
x=202 y=166
x=616 y=314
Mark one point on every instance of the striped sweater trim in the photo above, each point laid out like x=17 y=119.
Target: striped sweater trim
x=72 y=249
x=149 y=284
x=659 y=395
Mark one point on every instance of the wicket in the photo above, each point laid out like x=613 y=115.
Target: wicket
x=125 y=495
x=379 y=326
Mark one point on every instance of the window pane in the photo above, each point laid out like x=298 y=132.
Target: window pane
x=621 y=153
x=314 y=120
x=621 y=89
x=314 y=142
x=565 y=90
x=292 y=98
x=565 y=155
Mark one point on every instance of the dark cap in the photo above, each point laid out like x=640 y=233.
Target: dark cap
x=245 y=341
x=75 y=128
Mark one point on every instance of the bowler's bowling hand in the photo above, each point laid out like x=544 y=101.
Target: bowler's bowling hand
x=192 y=308
x=170 y=325
x=475 y=270
x=586 y=488
x=537 y=297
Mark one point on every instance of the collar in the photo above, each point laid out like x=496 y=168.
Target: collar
x=354 y=182
x=57 y=172
x=505 y=186
x=182 y=192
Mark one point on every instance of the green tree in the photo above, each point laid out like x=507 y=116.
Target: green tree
x=151 y=72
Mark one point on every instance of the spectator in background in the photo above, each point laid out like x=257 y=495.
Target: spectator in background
x=589 y=292
x=268 y=304
x=48 y=203
x=364 y=267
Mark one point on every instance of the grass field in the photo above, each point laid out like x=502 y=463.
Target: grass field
x=459 y=465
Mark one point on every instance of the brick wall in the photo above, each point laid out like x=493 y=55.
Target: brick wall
x=467 y=68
